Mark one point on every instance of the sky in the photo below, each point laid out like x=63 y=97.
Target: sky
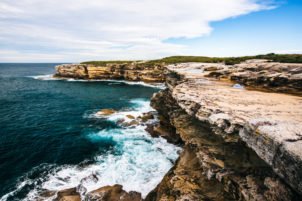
x=82 y=30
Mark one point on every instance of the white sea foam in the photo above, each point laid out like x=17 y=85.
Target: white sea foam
x=50 y=77
x=44 y=77
x=140 y=166
x=137 y=161
x=155 y=85
x=140 y=106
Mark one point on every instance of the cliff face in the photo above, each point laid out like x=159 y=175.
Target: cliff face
x=238 y=144
x=128 y=71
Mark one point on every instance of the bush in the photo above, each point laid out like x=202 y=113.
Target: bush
x=283 y=58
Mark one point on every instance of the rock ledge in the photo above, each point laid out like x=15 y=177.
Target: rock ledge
x=245 y=144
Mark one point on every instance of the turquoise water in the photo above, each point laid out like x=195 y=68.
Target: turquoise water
x=51 y=137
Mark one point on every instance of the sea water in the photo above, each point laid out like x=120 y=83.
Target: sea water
x=51 y=137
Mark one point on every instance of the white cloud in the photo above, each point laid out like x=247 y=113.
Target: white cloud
x=75 y=30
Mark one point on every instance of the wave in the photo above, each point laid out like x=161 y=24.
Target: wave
x=155 y=85
x=137 y=161
x=44 y=77
x=50 y=77
x=139 y=106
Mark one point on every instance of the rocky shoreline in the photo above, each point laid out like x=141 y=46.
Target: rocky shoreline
x=244 y=144
x=136 y=71
x=238 y=144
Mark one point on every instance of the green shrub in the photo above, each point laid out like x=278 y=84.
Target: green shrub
x=104 y=63
x=283 y=58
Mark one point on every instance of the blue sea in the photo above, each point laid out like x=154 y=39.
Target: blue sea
x=51 y=137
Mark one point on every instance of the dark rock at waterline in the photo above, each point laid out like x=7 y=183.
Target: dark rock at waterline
x=157 y=130
x=47 y=194
x=85 y=163
x=92 y=177
x=132 y=123
x=112 y=193
x=147 y=116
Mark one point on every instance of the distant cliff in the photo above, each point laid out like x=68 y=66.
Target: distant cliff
x=134 y=71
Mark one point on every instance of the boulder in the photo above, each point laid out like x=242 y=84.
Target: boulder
x=106 y=112
x=124 y=123
x=147 y=116
x=70 y=194
x=129 y=116
x=112 y=193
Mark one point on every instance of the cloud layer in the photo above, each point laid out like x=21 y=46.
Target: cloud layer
x=76 y=30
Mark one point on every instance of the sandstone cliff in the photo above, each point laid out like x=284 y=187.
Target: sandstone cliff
x=241 y=140
x=238 y=144
x=128 y=71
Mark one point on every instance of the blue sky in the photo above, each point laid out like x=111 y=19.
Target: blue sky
x=276 y=30
x=80 y=30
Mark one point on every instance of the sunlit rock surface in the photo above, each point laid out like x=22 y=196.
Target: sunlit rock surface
x=128 y=71
x=240 y=144
x=241 y=140
x=256 y=73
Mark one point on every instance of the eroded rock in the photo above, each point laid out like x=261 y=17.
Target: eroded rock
x=245 y=144
x=130 y=116
x=106 y=193
x=213 y=167
x=68 y=195
x=128 y=71
x=112 y=193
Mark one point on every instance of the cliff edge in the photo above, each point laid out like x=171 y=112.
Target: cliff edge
x=135 y=71
x=239 y=126
x=239 y=144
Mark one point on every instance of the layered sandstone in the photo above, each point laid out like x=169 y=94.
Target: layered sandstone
x=239 y=144
x=128 y=71
x=259 y=74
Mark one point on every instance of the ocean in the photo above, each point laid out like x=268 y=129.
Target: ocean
x=51 y=138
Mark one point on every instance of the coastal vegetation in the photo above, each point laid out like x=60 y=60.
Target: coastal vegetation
x=283 y=58
x=104 y=63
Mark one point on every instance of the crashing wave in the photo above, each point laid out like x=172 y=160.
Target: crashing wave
x=137 y=161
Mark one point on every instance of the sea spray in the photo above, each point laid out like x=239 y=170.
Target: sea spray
x=135 y=160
